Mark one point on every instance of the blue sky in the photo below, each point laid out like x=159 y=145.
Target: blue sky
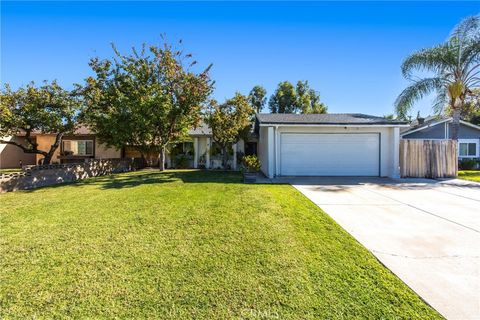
x=349 y=51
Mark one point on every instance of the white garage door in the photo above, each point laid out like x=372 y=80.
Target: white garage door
x=329 y=154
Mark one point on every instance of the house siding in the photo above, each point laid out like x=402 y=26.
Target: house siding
x=104 y=152
x=11 y=156
x=438 y=132
x=465 y=132
x=263 y=149
x=434 y=132
x=44 y=143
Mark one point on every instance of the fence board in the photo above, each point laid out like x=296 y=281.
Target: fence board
x=428 y=158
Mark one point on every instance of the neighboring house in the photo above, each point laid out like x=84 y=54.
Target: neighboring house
x=199 y=151
x=73 y=148
x=441 y=129
x=328 y=145
x=14 y=157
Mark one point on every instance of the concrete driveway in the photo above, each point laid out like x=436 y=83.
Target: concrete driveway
x=426 y=232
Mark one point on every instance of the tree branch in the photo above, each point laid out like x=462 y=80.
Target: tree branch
x=25 y=149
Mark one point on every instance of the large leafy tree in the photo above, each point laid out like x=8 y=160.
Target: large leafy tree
x=145 y=99
x=229 y=122
x=471 y=112
x=258 y=98
x=29 y=110
x=455 y=71
x=284 y=100
x=296 y=99
x=308 y=100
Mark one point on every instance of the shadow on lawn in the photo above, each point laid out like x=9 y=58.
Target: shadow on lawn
x=152 y=176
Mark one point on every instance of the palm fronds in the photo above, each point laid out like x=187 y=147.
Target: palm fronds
x=438 y=59
x=415 y=92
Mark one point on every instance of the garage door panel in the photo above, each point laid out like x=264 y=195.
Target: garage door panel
x=329 y=154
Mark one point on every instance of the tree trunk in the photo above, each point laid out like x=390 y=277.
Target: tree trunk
x=456 y=119
x=161 y=159
x=49 y=155
x=46 y=159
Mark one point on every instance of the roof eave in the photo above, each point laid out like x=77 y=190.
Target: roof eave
x=303 y=124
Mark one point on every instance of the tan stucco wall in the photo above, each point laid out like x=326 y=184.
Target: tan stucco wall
x=44 y=143
x=10 y=156
x=104 y=152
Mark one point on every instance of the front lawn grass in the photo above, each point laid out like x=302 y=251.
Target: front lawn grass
x=187 y=245
x=470 y=175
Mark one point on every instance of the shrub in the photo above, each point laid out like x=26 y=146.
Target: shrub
x=181 y=161
x=251 y=163
x=468 y=164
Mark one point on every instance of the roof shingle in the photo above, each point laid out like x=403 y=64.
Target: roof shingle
x=327 y=118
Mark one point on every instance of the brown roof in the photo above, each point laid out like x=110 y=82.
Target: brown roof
x=81 y=130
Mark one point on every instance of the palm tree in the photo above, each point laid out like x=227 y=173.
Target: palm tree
x=455 y=69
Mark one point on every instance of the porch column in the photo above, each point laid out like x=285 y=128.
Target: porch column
x=396 y=153
x=277 y=152
x=234 y=164
x=195 y=152
x=271 y=151
x=207 y=154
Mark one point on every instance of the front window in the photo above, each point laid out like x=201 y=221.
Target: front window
x=467 y=149
x=78 y=147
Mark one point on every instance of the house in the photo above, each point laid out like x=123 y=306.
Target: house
x=328 y=145
x=77 y=147
x=197 y=151
x=440 y=128
x=287 y=145
x=14 y=157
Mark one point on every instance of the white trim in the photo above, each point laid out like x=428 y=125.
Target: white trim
x=396 y=153
x=195 y=152
x=469 y=141
x=277 y=152
x=335 y=125
x=468 y=124
x=271 y=151
x=207 y=153
x=426 y=127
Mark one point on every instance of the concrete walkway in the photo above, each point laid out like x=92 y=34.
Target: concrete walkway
x=426 y=232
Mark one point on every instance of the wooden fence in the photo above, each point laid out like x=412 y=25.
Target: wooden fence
x=428 y=158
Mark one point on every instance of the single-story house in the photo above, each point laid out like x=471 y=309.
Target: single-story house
x=286 y=144
x=14 y=157
x=77 y=147
x=198 y=151
x=440 y=128
x=328 y=145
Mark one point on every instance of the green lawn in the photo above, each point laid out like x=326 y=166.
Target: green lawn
x=187 y=245
x=471 y=175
